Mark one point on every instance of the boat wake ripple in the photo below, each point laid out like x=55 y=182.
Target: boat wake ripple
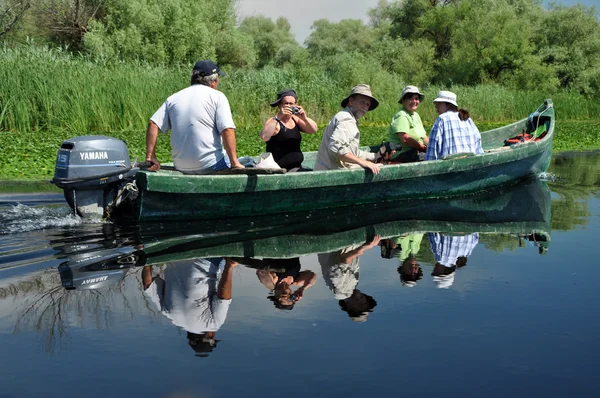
x=22 y=218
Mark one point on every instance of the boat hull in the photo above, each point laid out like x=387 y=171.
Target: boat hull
x=521 y=209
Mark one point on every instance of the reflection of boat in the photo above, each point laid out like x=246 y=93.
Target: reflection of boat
x=522 y=209
x=95 y=174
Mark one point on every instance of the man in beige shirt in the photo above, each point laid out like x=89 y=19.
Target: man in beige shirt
x=340 y=147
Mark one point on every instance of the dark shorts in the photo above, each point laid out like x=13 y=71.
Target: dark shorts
x=410 y=156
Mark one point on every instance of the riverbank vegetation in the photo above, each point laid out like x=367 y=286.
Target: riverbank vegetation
x=77 y=94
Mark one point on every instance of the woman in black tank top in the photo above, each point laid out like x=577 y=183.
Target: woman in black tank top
x=282 y=133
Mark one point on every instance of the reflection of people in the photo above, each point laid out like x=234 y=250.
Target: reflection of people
x=201 y=124
x=282 y=132
x=340 y=147
x=406 y=128
x=195 y=295
x=450 y=253
x=340 y=270
x=453 y=130
x=410 y=271
x=280 y=276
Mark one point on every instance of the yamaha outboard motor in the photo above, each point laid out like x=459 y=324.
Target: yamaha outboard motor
x=93 y=170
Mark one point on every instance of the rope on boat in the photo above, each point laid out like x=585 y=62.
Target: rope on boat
x=128 y=190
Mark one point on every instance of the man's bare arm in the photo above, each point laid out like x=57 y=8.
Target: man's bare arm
x=367 y=164
x=151 y=138
x=224 y=288
x=229 y=143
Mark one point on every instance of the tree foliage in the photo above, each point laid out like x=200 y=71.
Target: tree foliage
x=568 y=40
x=66 y=22
x=270 y=39
x=11 y=13
x=168 y=31
x=516 y=43
x=348 y=35
x=513 y=43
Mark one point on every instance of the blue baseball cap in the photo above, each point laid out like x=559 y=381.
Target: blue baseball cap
x=206 y=67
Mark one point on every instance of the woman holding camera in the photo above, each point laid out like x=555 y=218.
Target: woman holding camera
x=282 y=133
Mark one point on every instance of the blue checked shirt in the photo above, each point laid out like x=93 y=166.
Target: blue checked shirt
x=447 y=249
x=451 y=135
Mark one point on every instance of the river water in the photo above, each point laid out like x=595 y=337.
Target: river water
x=494 y=295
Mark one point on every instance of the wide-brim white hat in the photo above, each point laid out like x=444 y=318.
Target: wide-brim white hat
x=444 y=281
x=446 y=96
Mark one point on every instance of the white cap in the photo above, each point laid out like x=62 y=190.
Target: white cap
x=446 y=96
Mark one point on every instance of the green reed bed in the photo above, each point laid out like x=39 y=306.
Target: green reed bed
x=44 y=89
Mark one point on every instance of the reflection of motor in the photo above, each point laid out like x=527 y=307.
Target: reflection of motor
x=94 y=172
x=95 y=270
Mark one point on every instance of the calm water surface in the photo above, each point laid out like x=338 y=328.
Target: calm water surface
x=99 y=310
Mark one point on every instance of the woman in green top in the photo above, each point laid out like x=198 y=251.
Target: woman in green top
x=406 y=130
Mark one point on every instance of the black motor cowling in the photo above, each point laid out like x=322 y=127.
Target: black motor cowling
x=91 y=170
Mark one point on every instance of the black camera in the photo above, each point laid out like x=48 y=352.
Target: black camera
x=387 y=148
x=295 y=110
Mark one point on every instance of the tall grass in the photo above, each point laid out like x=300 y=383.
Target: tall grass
x=50 y=89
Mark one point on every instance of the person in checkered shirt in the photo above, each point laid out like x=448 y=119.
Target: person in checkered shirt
x=453 y=130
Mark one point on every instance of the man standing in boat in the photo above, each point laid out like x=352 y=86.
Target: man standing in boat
x=340 y=147
x=201 y=123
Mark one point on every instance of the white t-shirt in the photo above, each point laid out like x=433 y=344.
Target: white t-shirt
x=196 y=115
x=187 y=295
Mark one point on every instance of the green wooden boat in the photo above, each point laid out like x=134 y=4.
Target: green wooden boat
x=171 y=195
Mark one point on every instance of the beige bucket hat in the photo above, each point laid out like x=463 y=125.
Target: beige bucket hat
x=411 y=90
x=362 y=89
